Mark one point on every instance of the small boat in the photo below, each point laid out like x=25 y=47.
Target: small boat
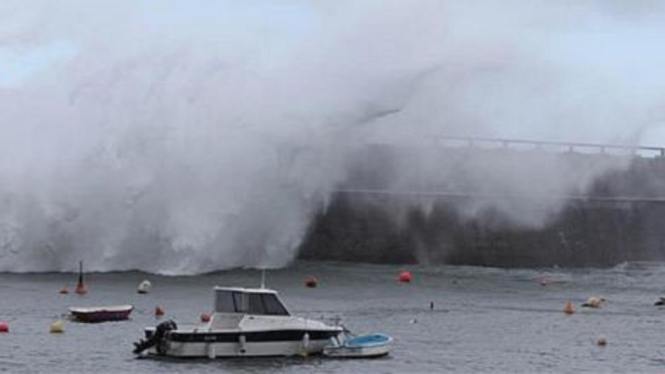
x=360 y=346
x=246 y=322
x=101 y=313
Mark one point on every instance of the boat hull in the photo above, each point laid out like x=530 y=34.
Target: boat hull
x=97 y=315
x=245 y=344
x=356 y=352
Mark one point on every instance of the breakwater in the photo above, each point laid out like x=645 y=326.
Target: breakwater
x=615 y=216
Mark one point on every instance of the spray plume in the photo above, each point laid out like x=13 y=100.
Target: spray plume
x=182 y=138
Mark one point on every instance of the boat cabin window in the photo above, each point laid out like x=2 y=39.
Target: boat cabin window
x=273 y=306
x=224 y=302
x=227 y=301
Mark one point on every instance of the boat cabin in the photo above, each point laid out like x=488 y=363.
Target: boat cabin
x=257 y=301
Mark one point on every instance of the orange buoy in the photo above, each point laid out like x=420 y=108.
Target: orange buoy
x=311 y=282
x=569 y=309
x=404 y=277
x=205 y=317
x=4 y=327
x=64 y=290
x=159 y=312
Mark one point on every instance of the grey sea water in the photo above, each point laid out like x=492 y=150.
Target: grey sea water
x=484 y=320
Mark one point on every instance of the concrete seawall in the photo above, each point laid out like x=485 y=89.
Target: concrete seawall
x=619 y=217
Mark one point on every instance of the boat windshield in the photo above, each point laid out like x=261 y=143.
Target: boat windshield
x=227 y=301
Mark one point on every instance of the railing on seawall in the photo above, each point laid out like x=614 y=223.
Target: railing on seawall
x=450 y=195
x=571 y=147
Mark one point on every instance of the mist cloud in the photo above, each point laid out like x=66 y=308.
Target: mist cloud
x=183 y=138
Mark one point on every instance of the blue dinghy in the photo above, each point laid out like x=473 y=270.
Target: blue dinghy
x=361 y=346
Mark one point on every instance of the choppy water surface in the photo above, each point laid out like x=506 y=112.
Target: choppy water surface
x=484 y=320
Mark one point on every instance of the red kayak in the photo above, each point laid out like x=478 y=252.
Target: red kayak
x=101 y=313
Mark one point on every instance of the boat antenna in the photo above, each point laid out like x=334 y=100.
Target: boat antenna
x=263 y=278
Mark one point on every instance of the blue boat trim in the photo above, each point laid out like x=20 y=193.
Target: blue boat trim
x=370 y=340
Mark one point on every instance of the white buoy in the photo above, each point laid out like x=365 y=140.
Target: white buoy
x=305 y=344
x=212 y=354
x=144 y=287
x=305 y=341
x=242 y=341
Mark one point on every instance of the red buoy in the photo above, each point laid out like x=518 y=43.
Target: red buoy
x=404 y=277
x=81 y=289
x=4 y=327
x=205 y=317
x=311 y=282
x=159 y=311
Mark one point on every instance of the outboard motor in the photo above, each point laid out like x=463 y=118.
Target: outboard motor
x=156 y=338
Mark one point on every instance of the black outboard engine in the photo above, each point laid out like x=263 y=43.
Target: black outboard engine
x=156 y=338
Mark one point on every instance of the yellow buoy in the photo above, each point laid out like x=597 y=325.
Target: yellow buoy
x=57 y=327
x=569 y=309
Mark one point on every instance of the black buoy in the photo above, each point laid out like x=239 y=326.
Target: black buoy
x=431 y=305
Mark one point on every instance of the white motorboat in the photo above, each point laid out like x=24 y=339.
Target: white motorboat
x=246 y=322
x=361 y=346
